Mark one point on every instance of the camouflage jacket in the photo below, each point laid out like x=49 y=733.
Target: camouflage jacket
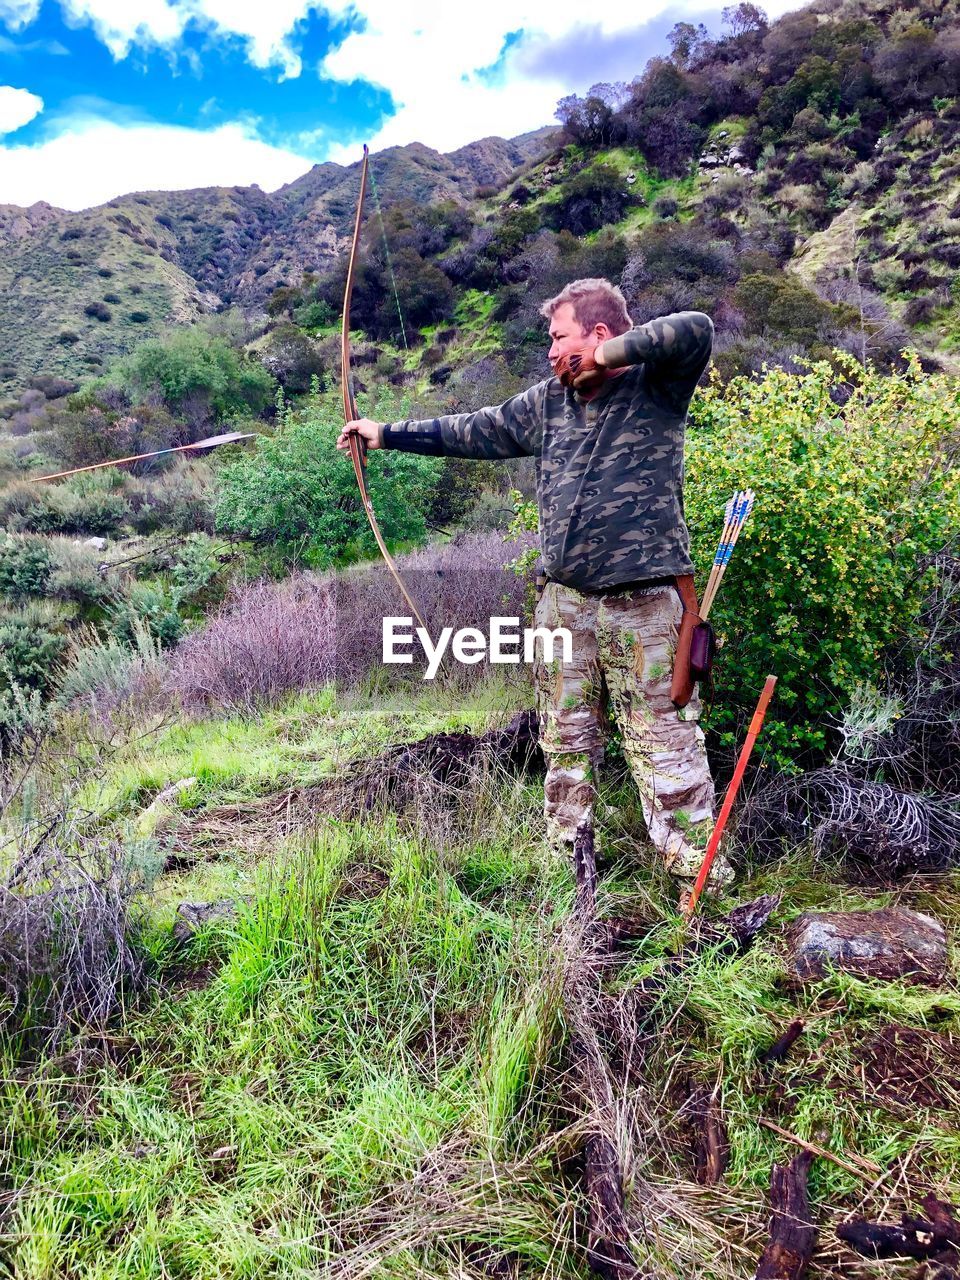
x=609 y=469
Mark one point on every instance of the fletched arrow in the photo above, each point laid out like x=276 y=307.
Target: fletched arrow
x=198 y=446
x=735 y=516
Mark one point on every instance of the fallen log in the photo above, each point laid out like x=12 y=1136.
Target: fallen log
x=608 y=1250
x=935 y=1238
x=793 y=1235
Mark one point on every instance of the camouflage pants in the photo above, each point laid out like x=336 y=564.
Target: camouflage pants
x=622 y=662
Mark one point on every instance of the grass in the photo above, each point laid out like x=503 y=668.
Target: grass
x=364 y=1074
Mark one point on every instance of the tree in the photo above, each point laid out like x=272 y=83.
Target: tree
x=745 y=19
x=687 y=43
x=590 y=120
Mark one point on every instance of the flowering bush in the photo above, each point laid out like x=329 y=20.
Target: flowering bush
x=850 y=501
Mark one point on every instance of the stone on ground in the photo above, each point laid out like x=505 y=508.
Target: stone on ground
x=893 y=942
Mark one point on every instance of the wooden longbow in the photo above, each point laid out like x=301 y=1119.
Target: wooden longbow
x=358 y=448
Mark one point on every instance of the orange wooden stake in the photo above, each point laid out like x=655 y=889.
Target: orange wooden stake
x=755 y=725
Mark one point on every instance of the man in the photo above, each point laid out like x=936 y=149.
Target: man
x=606 y=433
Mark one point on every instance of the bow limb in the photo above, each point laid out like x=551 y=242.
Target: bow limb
x=358 y=450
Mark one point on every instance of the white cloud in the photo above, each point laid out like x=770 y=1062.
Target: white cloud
x=120 y=24
x=437 y=72
x=17 y=108
x=18 y=13
x=93 y=160
x=265 y=28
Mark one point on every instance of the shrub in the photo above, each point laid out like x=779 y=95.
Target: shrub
x=848 y=500
x=67 y=338
x=75 y=575
x=596 y=196
x=292 y=358
x=781 y=304
x=24 y=567
x=105 y=272
x=195 y=374
x=68 y=936
x=98 y=311
x=65 y=509
x=29 y=653
x=53 y=388
x=152 y=606
x=111 y=297
x=139 y=317
x=297 y=489
x=181 y=500
x=314 y=315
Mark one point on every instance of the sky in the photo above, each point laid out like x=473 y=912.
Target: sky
x=103 y=97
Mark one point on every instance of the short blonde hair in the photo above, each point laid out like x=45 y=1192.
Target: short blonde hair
x=594 y=301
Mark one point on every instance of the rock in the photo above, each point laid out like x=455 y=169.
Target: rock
x=893 y=942
x=723 y=133
x=98 y=544
x=192 y=916
x=735 y=153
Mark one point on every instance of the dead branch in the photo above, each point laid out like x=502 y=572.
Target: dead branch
x=934 y=1238
x=792 y=1232
x=711 y=1149
x=861 y=1166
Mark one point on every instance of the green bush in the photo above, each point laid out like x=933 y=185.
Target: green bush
x=195 y=374
x=64 y=510
x=150 y=606
x=179 y=499
x=24 y=567
x=297 y=489
x=29 y=654
x=849 y=502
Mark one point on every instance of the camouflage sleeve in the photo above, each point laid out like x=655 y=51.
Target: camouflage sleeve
x=513 y=429
x=675 y=350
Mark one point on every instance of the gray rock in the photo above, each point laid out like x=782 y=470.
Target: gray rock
x=192 y=916
x=893 y=942
x=98 y=544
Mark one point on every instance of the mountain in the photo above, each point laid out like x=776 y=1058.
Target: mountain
x=77 y=289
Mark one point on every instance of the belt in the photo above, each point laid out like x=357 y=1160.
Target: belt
x=644 y=584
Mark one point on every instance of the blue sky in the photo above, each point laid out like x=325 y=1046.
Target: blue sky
x=101 y=97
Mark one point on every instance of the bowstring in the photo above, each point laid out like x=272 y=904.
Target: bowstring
x=386 y=250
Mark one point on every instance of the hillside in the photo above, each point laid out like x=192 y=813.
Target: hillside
x=153 y=259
